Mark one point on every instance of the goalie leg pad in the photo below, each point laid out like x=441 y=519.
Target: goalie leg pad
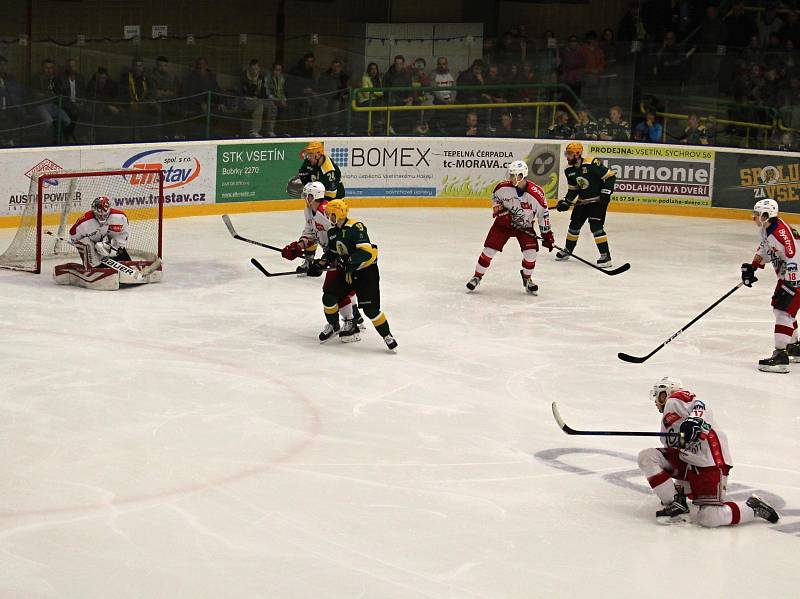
x=99 y=279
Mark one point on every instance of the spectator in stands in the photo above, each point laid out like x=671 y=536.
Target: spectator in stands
x=471 y=128
x=545 y=59
x=443 y=120
x=612 y=51
x=791 y=30
x=740 y=26
x=45 y=88
x=371 y=79
x=253 y=90
x=573 y=62
x=333 y=85
x=473 y=76
x=305 y=105
x=497 y=95
x=420 y=78
x=136 y=90
x=10 y=98
x=399 y=76
x=276 y=93
x=614 y=128
x=786 y=142
x=594 y=59
x=585 y=128
x=771 y=88
x=670 y=63
x=695 y=133
x=508 y=51
x=560 y=129
x=165 y=92
x=103 y=92
x=768 y=23
x=199 y=83
x=789 y=102
x=649 y=130
x=422 y=129
x=774 y=53
x=71 y=85
x=506 y=127
x=753 y=53
x=712 y=34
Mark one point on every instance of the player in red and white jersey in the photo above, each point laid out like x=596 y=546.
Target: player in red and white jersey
x=698 y=459
x=100 y=232
x=516 y=204
x=779 y=245
x=315 y=232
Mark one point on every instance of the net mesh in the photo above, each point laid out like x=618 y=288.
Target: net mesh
x=66 y=196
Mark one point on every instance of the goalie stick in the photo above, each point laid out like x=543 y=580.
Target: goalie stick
x=610 y=272
x=119 y=266
x=571 y=431
x=227 y=220
x=638 y=360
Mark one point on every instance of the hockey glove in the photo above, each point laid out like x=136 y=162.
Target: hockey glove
x=748 y=274
x=315 y=269
x=783 y=297
x=292 y=251
x=691 y=429
x=344 y=263
x=548 y=240
x=563 y=205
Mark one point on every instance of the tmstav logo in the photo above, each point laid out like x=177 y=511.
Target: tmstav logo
x=179 y=169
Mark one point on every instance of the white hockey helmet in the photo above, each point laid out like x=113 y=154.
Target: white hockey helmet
x=668 y=385
x=764 y=210
x=517 y=168
x=315 y=189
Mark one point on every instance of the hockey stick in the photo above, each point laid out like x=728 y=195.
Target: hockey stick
x=572 y=431
x=266 y=273
x=638 y=360
x=227 y=220
x=611 y=272
x=109 y=262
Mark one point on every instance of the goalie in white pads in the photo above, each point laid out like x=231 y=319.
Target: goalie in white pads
x=100 y=236
x=779 y=245
x=698 y=462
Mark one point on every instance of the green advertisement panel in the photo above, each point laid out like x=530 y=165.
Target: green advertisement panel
x=251 y=172
x=743 y=179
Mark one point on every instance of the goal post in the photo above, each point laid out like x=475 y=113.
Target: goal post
x=57 y=199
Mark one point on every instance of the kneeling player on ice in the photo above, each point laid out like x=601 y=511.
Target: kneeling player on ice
x=697 y=458
x=516 y=204
x=316 y=232
x=779 y=245
x=101 y=232
x=356 y=262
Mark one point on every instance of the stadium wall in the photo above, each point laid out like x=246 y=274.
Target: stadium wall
x=217 y=177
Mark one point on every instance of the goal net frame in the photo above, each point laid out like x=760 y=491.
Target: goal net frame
x=62 y=248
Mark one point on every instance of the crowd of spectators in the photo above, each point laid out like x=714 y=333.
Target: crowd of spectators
x=672 y=48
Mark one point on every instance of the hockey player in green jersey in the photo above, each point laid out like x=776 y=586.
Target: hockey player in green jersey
x=356 y=261
x=590 y=185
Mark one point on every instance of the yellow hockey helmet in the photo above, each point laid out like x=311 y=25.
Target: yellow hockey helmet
x=575 y=147
x=337 y=211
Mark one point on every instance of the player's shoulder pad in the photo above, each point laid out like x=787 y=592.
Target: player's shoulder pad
x=502 y=185
x=327 y=164
x=682 y=395
x=86 y=216
x=785 y=237
x=118 y=212
x=537 y=192
x=598 y=162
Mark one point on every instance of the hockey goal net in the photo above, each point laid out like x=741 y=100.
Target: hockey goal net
x=57 y=199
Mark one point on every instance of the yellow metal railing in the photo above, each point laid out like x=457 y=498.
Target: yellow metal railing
x=497 y=106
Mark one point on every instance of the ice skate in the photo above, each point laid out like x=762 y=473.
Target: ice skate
x=675 y=512
x=778 y=362
x=328 y=332
x=473 y=283
x=358 y=318
x=763 y=509
x=391 y=344
x=529 y=285
x=562 y=255
x=793 y=351
x=605 y=261
x=349 y=332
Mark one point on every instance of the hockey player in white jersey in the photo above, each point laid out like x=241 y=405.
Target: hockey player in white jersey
x=516 y=204
x=315 y=232
x=698 y=459
x=101 y=232
x=779 y=245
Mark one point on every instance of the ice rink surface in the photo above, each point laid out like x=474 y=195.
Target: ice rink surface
x=192 y=439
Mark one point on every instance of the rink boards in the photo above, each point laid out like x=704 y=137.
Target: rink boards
x=216 y=177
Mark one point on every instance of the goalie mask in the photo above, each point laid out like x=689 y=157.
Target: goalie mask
x=101 y=208
x=517 y=171
x=764 y=210
x=663 y=389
